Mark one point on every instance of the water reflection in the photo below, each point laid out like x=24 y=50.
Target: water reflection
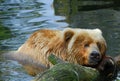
x=25 y=16
x=22 y=17
x=4 y=32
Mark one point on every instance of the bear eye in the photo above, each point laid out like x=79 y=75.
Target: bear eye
x=86 y=45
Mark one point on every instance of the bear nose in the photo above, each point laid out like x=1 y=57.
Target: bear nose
x=95 y=55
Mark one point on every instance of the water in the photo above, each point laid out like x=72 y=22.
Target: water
x=23 y=17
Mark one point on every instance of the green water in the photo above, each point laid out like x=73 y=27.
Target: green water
x=20 y=18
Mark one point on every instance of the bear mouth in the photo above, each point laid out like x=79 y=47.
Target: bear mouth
x=92 y=62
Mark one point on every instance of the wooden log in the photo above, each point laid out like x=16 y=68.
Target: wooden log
x=117 y=60
x=55 y=60
x=68 y=72
x=63 y=71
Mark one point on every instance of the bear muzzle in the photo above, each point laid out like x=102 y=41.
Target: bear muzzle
x=94 y=58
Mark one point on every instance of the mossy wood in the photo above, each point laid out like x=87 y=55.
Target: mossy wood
x=63 y=71
x=68 y=72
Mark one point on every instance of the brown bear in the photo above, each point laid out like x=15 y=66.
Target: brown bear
x=79 y=46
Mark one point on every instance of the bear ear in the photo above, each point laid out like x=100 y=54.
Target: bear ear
x=98 y=31
x=68 y=34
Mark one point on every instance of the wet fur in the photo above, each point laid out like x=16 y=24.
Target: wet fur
x=67 y=45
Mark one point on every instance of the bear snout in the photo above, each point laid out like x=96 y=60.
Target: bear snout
x=94 y=57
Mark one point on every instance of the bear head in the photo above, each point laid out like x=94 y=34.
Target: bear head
x=84 y=46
